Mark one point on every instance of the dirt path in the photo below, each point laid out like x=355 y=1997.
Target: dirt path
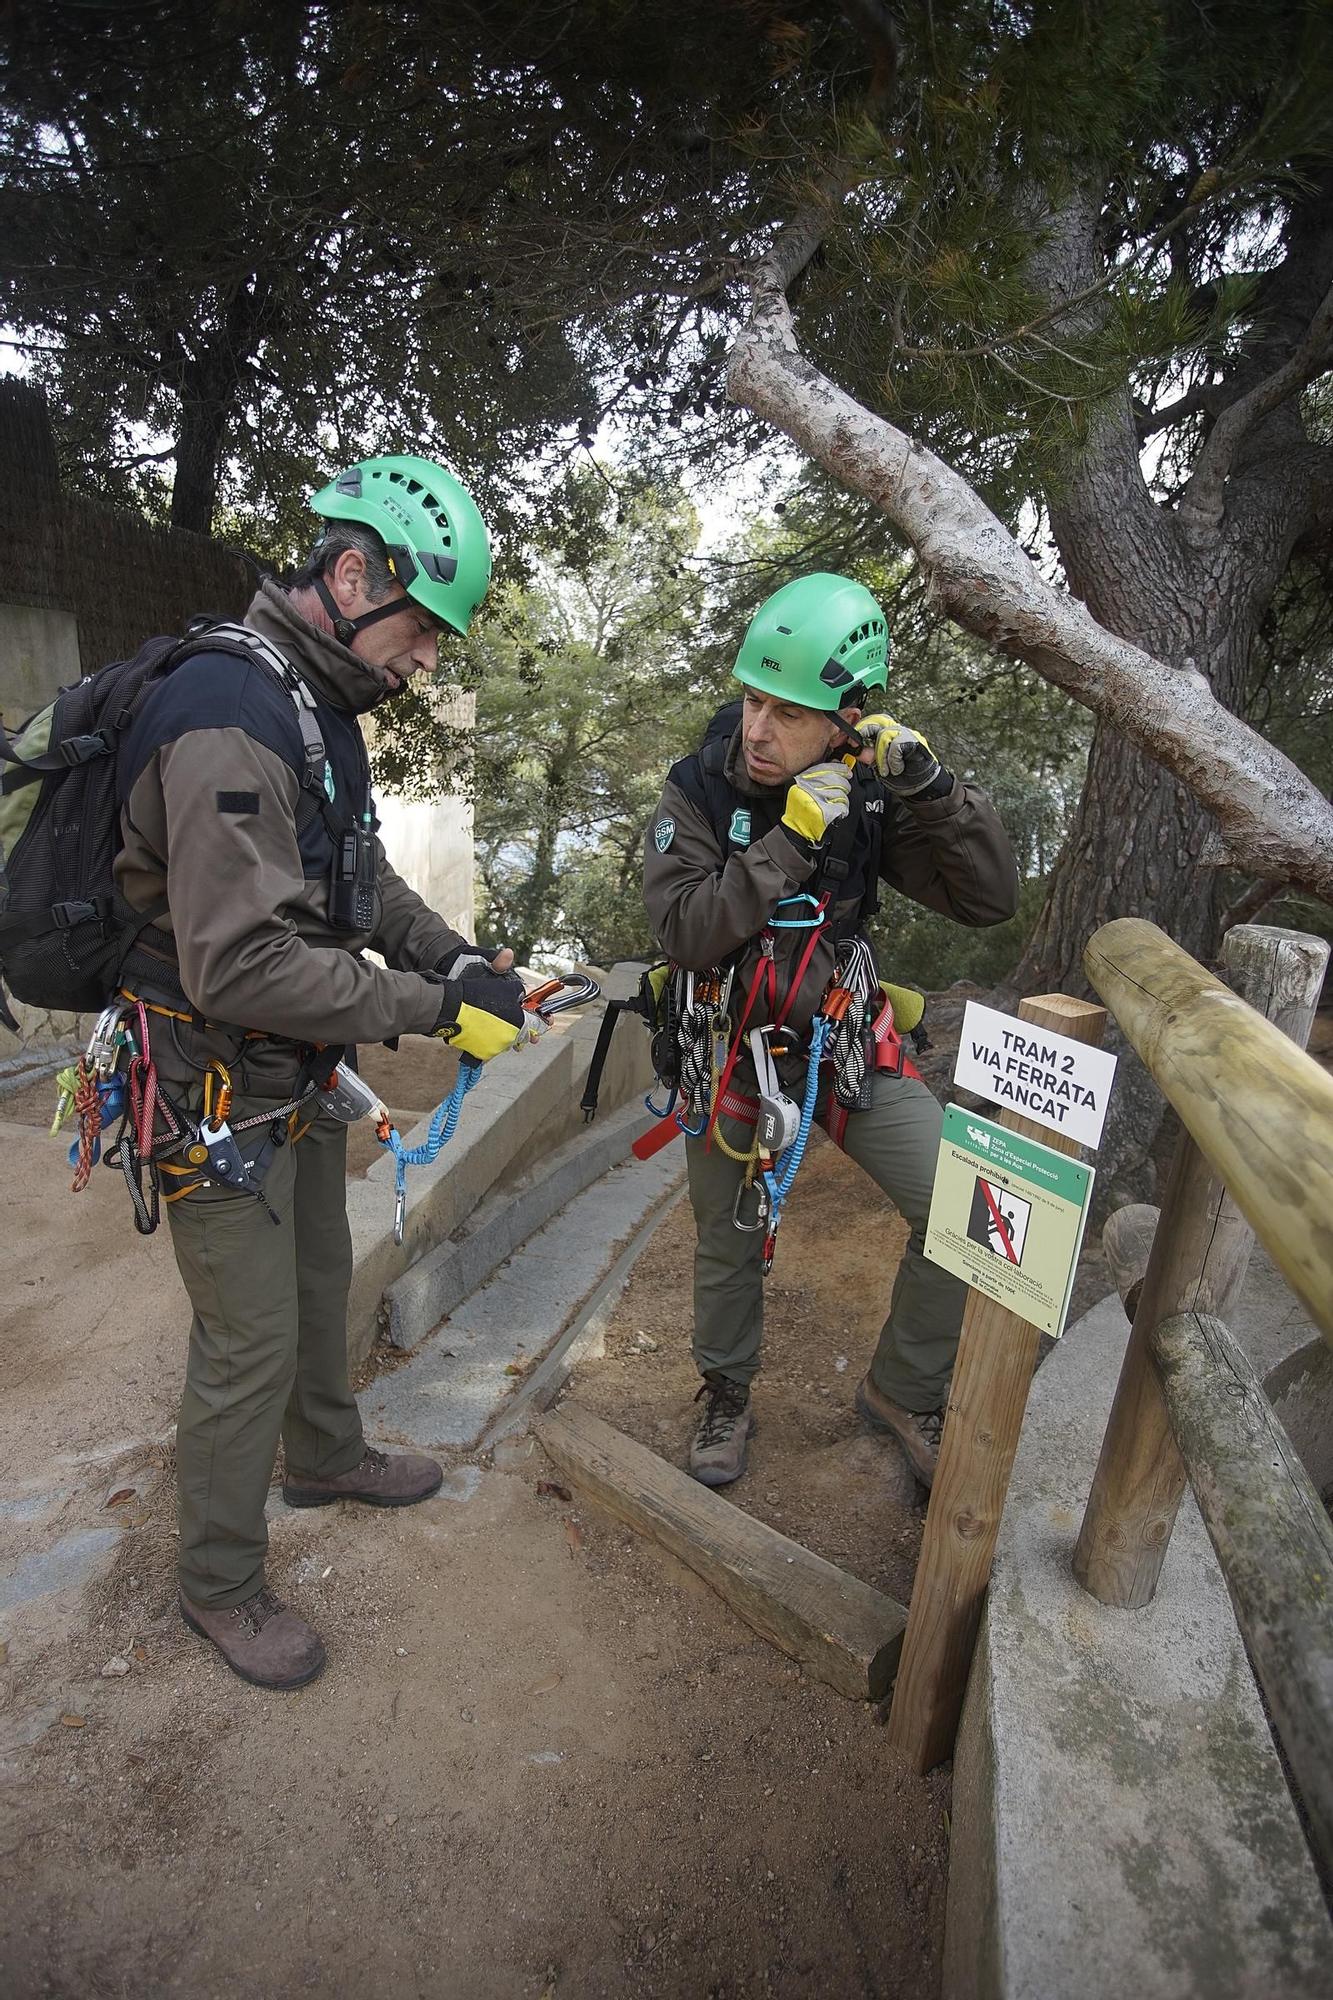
x=543 y=1759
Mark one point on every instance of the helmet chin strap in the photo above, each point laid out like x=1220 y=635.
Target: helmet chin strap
x=346 y=629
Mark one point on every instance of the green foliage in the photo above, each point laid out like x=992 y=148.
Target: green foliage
x=920 y=948
x=586 y=691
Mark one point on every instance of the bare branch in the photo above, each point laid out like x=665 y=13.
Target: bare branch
x=1204 y=498
x=1272 y=820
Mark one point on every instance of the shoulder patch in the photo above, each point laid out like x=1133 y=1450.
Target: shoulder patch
x=739 y=830
x=663 y=834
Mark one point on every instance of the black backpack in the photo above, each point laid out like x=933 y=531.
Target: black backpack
x=64 y=929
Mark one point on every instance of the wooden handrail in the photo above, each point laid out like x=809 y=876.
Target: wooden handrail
x=1259 y=1109
x=1272 y=1537
x=1201 y=1246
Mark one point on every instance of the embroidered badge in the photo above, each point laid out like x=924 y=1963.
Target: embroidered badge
x=329 y=785
x=739 y=833
x=663 y=834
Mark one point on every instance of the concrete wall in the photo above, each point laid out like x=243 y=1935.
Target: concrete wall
x=39 y=654
x=429 y=841
x=1121 y=1818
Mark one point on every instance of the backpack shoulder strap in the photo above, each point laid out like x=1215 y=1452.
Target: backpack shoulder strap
x=244 y=643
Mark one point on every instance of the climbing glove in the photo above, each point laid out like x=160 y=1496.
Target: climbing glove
x=481 y=1012
x=904 y=761
x=465 y=959
x=817 y=800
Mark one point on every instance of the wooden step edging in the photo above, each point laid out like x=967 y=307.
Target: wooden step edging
x=842 y=1631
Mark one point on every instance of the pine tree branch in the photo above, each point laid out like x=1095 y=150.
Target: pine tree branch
x=1204 y=499
x=1148 y=422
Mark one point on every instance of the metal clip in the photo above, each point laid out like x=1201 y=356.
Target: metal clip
x=104 y=1043
x=399 y=1214
x=760 y=1192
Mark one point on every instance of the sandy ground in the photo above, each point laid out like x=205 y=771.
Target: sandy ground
x=813 y=1472
x=543 y=1760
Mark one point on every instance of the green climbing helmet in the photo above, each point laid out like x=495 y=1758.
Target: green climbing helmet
x=816 y=642
x=430 y=525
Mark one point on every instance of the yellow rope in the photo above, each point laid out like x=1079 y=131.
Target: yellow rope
x=742 y=1159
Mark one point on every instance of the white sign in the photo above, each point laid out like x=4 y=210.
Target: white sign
x=1059 y=1082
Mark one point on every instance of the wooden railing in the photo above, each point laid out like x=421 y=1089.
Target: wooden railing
x=1255 y=1159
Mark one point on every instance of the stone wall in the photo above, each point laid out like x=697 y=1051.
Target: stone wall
x=118 y=577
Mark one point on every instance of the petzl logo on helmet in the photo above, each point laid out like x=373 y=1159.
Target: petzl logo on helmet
x=770 y=665
x=663 y=834
x=739 y=831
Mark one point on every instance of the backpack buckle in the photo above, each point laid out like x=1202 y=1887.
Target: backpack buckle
x=82 y=749
x=66 y=915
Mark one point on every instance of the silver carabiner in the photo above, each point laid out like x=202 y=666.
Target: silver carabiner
x=103 y=1047
x=760 y=1222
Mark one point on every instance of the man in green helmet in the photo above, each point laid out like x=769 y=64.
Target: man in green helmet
x=249 y=834
x=763 y=861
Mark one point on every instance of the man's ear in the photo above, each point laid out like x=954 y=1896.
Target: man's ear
x=347 y=578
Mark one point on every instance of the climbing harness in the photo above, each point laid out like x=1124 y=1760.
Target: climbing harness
x=115 y=1083
x=540 y=1006
x=851 y=1036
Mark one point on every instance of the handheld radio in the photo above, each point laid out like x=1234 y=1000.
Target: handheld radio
x=352 y=886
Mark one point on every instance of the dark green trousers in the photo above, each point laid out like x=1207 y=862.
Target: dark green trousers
x=897 y=1143
x=267 y=1356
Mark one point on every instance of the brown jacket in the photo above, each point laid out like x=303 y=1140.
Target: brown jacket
x=210 y=779
x=708 y=906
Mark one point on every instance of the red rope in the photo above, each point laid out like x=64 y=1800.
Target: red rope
x=88 y=1104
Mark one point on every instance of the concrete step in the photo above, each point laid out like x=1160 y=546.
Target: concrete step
x=461 y=1378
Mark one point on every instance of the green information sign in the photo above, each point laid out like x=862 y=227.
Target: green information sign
x=1007 y=1217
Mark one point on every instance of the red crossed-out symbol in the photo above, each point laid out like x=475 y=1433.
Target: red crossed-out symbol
x=999 y=1222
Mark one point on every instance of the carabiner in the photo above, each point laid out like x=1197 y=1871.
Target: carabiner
x=104 y=1043
x=760 y=1222
x=219 y=1116
x=777 y=923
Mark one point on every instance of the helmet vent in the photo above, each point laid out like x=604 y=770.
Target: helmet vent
x=873 y=628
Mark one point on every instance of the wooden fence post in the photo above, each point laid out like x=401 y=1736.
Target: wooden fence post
x=1273 y=1540
x=1198 y=1264
x=992 y=1374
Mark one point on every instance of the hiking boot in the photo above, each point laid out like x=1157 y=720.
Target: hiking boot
x=261 y=1640
x=917 y=1431
x=717 y=1454
x=379 y=1480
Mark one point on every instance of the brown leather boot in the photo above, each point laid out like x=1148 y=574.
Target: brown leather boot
x=917 y=1431
x=379 y=1480
x=261 y=1640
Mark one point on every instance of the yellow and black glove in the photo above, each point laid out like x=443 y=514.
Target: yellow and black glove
x=905 y=764
x=481 y=1013
x=817 y=800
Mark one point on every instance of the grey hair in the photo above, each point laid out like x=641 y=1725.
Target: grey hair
x=337 y=538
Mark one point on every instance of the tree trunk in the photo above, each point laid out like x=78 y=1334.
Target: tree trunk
x=1136 y=849
x=194 y=491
